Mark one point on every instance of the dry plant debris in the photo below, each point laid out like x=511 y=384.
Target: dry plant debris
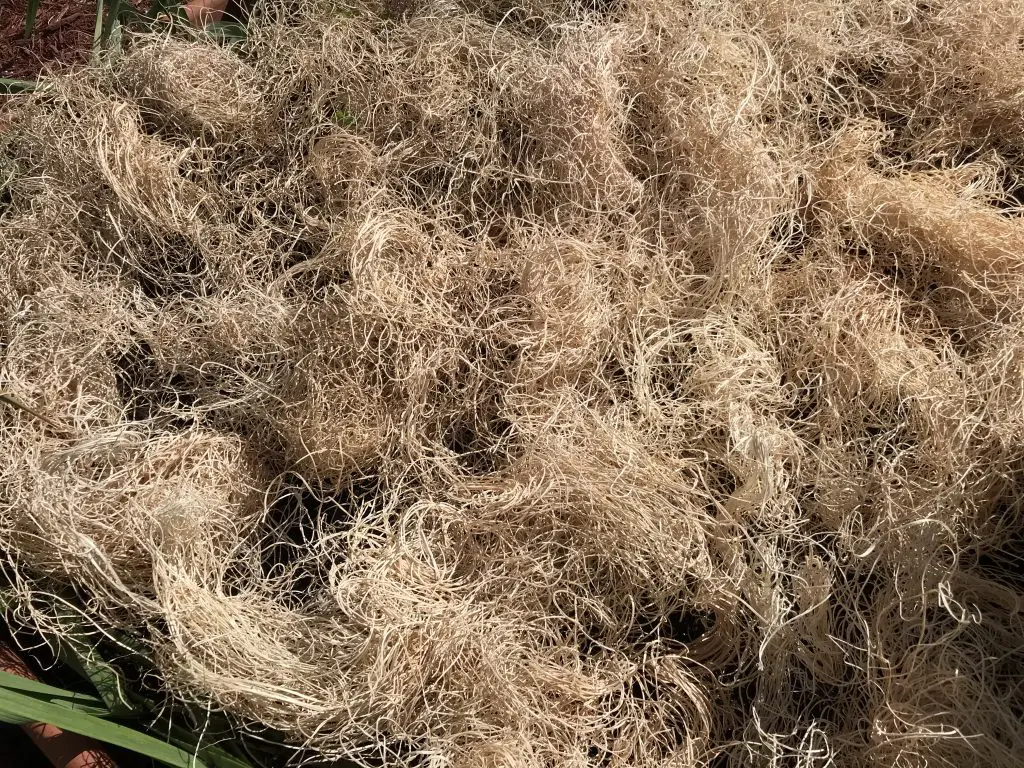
x=610 y=383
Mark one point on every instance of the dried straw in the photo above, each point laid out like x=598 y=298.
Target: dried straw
x=583 y=384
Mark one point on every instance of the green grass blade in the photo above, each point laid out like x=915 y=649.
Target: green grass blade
x=76 y=649
x=156 y=7
x=97 y=31
x=30 y=17
x=110 y=20
x=75 y=646
x=21 y=708
x=103 y=677
x=78 y=702
x=212 y=755
x=9 y=85
x=226 y=32
x=25 y=685
x=215 y=757
x=70 y=706
x=11 y=719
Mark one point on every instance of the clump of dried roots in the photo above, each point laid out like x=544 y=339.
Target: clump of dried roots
x=570 y=384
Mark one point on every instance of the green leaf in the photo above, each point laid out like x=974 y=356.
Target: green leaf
x=77 y=649
x=344 y=119
x=128 y=15
x=79 y=702
x=10 y=719
x=110 y=20
x=107 y=681
x=97 y=33
x=212 y=755
x=226 y=31
x=25 y=685
x=30 y=17
x=21 y=708
x=185 y=739
x=9 y=85
x=156 y=7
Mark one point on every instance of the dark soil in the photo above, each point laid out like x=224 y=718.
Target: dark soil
x=62 y=36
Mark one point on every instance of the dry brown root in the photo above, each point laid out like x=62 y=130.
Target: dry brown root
x=699 y=96
x=469 y=384
x=569 y=327
x=919 y=675
x=918 y=214
x=57 y=356
x=135 y=170
x=960 y=86
x=108 y=508
x=877 y=360
x=194 y=89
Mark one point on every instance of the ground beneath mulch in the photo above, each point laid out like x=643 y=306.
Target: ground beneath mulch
x=62 y=36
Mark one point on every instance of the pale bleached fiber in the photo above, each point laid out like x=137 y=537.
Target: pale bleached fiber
x=594 y=384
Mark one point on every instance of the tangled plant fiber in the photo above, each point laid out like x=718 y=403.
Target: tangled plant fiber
x=455 y=383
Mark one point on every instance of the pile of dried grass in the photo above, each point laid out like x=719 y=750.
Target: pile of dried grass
x=614 y=384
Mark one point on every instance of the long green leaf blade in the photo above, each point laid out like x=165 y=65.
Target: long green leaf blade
x=74 y=649
x=10 y=85
x=226 y=31
x=22 y=708
x=30 y=17
x=105 y=679
x=79 y=702
x=97 y=34
x=212 y=755
x=25 y=685
x=111 y=19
